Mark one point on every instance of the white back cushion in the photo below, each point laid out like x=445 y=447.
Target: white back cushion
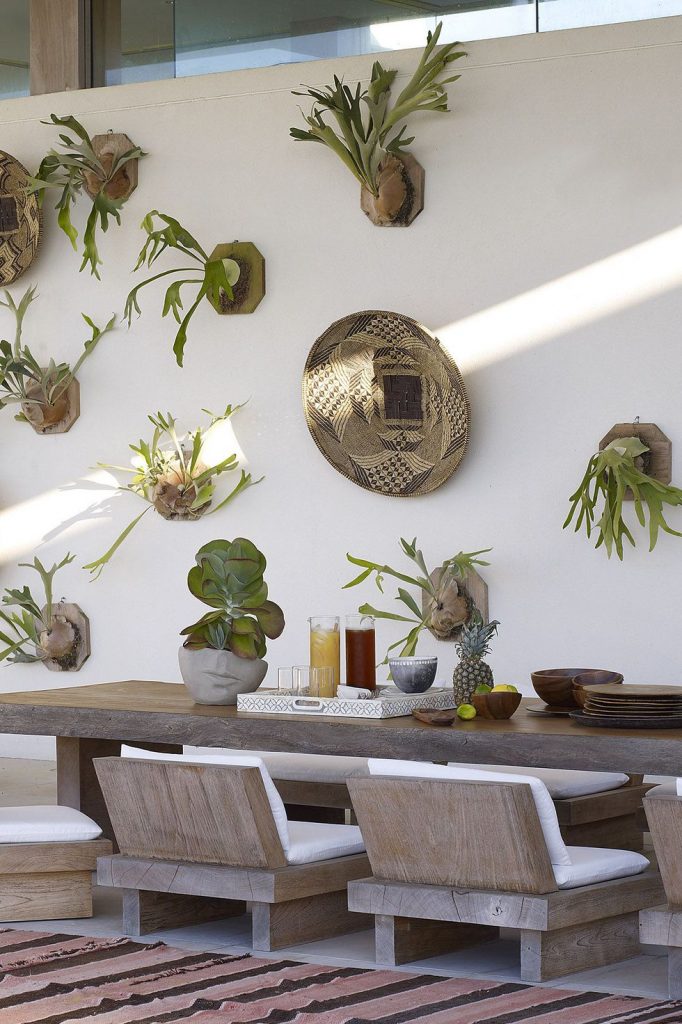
x=562 y=783
x=558 y=853
x=248 y=760
x=49 y=824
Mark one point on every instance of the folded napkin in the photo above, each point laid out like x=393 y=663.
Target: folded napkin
x=354 y=693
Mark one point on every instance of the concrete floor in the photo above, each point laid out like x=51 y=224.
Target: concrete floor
x=34 y=782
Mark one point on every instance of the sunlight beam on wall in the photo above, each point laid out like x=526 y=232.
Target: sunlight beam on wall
x=596 y=291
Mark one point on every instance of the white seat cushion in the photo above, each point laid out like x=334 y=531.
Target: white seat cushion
x=589 y=865
x=248 y=760
x=314 y=840
x=562 y=784
x=307 y=767
x=558 y=853
x=48 y=824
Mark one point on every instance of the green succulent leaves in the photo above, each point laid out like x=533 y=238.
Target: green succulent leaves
x=366 y=126
x=609 y=475
x=210 y=275
x=456 y=567
x=69 y=172
x=23 y=380
x=228 y=577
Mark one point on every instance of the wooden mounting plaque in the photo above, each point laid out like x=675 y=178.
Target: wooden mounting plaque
x=68 y=404
x=250 y=288
x=107 y=148
x=475 y=590
x=81 y=652
x=659 y=445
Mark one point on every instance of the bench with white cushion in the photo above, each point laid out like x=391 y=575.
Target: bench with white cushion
x=200 y=835
x=594 y=808
x=47 y=856
x=452 y=846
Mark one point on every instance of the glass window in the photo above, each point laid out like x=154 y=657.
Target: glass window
x=13 y=48
x=556 y=14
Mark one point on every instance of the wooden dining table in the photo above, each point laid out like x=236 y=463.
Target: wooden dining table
x=91 y=721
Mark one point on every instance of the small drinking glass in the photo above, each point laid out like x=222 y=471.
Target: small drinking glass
x=285 y=681
x=315 y=680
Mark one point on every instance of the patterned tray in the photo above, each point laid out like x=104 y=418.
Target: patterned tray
x=391 y=704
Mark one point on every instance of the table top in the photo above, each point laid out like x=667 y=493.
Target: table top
x=161 y=712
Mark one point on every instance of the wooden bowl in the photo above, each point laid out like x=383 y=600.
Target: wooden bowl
x=555 y=685
x=595 y=677
x=496 y=705
x=431 y=717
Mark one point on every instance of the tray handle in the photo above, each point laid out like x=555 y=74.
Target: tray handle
x=311 y=705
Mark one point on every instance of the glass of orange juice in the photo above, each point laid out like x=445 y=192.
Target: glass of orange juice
x=325 y=645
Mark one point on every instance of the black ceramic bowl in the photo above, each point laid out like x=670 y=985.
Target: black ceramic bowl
x=413 y=675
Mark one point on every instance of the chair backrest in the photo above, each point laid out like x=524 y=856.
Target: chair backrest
x=200 y=813
x=663 y=809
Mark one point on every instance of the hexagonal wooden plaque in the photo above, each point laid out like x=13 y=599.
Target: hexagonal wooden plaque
x=81 y=652
x=68 y=405
x=475 y=590
x=107 y=148
x=658 y=465
x=250 y=288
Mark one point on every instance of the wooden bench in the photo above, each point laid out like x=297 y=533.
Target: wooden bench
x=662 y=926
x=199 y=841
x=454 y=861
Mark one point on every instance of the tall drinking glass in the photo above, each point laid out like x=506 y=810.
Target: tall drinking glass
x=360 y=652
x=325 y=645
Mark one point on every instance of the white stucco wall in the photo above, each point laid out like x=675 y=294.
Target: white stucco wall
x=548 y=260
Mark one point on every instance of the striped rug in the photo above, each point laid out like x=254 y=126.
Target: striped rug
x=59 y=979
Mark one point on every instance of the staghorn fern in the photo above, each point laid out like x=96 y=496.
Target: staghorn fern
x=71 y=172
x=34 y=633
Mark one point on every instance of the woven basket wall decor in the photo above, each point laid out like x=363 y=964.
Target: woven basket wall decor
x=385 y=404
x=20 y=220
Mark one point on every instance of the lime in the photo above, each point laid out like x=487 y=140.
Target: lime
x=483 y=688
x=466 y=712
x=232 y=271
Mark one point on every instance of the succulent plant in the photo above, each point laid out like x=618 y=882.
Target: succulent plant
x=228 y=577
x=40 y=390
x=35 y=633
x=371 y=134
x=170 y=475
x=77 y=169
x=609 y=475
x=446 y=606
x=214 y=277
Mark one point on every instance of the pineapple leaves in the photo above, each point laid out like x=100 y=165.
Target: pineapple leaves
x=367 y=127
x=422 y=618
x=163 y=233
x=610 y=474
x=77 y=169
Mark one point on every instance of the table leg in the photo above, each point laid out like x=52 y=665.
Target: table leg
x=77 y=784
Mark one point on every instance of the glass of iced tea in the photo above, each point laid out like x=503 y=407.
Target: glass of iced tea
x=325 y=645
x=360 y=652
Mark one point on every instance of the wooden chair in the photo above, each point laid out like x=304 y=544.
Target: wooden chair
x=662 y=926
x=198 y=841
x=453 y=861
x=44 y=878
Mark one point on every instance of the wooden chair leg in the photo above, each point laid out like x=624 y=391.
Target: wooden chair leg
x=547 y=955
x=276 y=925
x=675 y=973
x=400 y=940
x=145 y=911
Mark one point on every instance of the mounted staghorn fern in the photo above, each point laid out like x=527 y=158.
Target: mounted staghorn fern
x=214 y=276
x=446 y=606
x=43 y=392
x=171 y=475
x=51 y=634
x=103 y=171
x=609 y=475
x=369 y=136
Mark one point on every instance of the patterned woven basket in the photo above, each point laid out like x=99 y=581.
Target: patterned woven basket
x=385 y=404
x=20 y=220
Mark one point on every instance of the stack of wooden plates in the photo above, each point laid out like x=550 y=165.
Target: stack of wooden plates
x=621 y=706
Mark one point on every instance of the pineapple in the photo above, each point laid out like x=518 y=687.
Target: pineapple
x=471 y=670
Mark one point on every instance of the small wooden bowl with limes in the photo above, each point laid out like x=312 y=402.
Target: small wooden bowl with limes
x=498 y=704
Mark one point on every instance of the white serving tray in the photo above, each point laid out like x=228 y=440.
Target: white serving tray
x=390 y=704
